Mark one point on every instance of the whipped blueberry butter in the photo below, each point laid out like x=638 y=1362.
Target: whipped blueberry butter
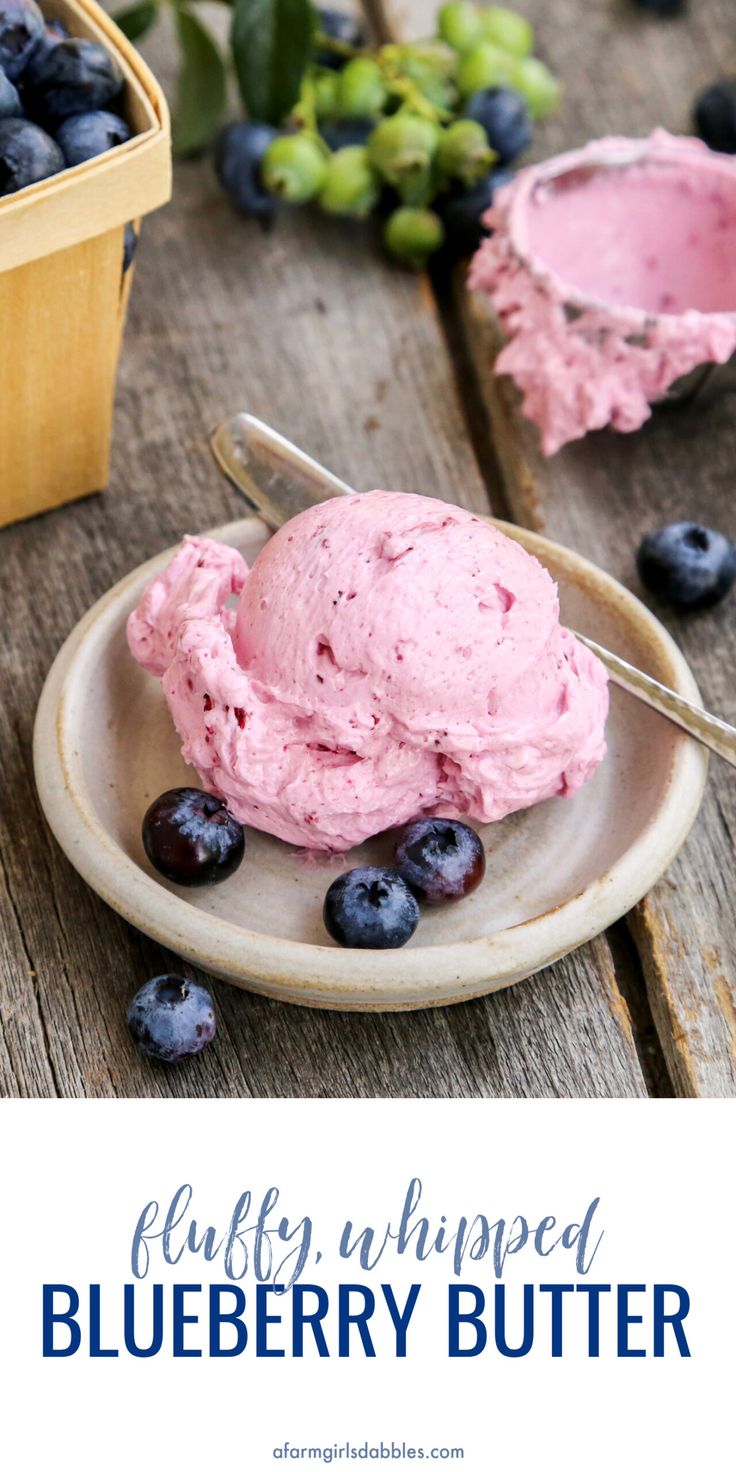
x=390 y=656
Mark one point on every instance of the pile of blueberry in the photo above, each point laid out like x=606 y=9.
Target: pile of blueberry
x=57 y=98
x=422 y=134
x=436 y=861
x=192 y=839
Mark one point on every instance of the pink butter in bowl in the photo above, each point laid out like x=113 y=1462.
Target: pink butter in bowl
x=613 y=273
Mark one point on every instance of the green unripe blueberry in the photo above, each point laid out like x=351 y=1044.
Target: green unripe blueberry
x=433 y=52
x=413 y=235
x=294 y=167
x=351 y=184
x=459 y=24
x=325 y=94
x=402 y=145
x=463 y=152
x=536 y=83
x=437 y=89
x=361 y=90
x=508 y=30
x=485 y=66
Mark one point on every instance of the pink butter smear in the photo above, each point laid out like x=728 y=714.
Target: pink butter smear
x=613 y=272
x=390 y=655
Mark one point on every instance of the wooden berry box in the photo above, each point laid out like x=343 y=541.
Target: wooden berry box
x=63 y=296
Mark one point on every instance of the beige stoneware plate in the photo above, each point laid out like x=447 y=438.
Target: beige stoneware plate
x=559 y=873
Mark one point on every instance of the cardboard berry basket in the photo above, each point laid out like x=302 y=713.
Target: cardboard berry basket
x=63 y=295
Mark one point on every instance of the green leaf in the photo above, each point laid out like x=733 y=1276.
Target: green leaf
x=271 y=43
x=135 y=20
x=200 y=90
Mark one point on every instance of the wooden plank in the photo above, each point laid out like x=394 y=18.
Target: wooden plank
x=310 y=328
x=626 y=73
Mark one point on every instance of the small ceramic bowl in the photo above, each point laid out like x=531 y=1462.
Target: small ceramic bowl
x=558 y=873
x=611 y=271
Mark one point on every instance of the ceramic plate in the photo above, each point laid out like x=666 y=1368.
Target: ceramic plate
x=559 y=873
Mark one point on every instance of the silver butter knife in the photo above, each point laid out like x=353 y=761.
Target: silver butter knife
x=280 y=480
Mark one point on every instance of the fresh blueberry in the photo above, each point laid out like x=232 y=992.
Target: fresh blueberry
x=413 y=235
x=171 y=1018
x=662 y=7
x=10 y=103
x=239 y=152
x=191 y=838
x=505 y=115
x=53 y=32
x=130 y=246
x=21 y=25
x=27 y=154
x=294 y=167
x=462 y=214
x=440 y=859
x=371 y=909
x=687 y=565
x=75 y=76
x=715 y=116
x=339 y=27
x=347 y=132
x=87 y=134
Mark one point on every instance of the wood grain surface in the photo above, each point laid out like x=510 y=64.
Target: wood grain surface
x=386 y=381
x=602 y=494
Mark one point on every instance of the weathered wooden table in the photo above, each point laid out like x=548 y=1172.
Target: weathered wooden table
x=386 y=378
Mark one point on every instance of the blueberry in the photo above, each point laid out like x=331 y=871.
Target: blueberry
x=402 y=149
x=21 y=25
x=239 y=152
x=325 y=94
x=537 y=85
x=171 y=1018
x=484 y=66
x=339 y=27
x=459 y=24
x=351 y=186
x=715 y=116
x=75 y=76
x=687 y=565
x=88 y=134
x=53 y=32
x=371 y=909
x=662 y=7
x=361 y=89
x=294 y=167
x=463 y=152
x=10 y=103
x=347 y=132
x=130 y=246
x=191 y=838
x=505 y=116
x=440 y=859
x=27 y=154
x=462 y=214
x=413 y=235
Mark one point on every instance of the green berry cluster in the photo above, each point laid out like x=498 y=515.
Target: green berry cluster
x=384 y=129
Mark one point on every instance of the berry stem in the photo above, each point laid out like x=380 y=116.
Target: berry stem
x=339 y=48
x=305 y=114
x=412 y=99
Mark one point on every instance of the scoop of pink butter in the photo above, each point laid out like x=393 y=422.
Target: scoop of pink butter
x=390 y=655
x=613 y=274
